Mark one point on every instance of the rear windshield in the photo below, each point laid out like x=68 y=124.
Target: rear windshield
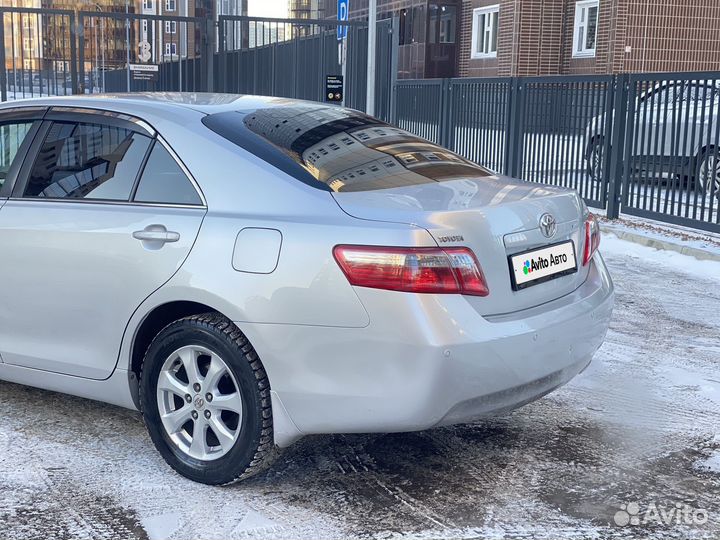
x=338 y=149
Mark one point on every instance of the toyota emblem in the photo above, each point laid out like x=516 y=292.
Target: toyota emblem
x=548 y=225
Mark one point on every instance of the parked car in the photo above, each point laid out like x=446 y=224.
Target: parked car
x=247 y=270
x=674 y=133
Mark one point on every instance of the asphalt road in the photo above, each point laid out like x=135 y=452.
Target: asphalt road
x=640 y=427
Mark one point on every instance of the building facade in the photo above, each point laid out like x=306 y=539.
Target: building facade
x=555 y=37
x=166 y=40
x=429 y=38
x=490 y=38
x=306 y=9
x=41 y=42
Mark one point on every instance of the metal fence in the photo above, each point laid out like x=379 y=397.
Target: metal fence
x=670 y=169
x=36 y=48
x=289 y=57
x=61 y=52
x=292 y=57
x=131 y=52
x=640 y=144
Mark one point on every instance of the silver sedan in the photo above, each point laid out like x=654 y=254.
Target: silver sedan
x=246 y=271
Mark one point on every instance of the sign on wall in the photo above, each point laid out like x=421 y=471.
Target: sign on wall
x=334 y=88
x=144 y=72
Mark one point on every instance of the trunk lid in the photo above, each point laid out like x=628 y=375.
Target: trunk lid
x=494 y=216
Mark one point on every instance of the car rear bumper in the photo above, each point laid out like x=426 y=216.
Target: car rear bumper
x=428 y=360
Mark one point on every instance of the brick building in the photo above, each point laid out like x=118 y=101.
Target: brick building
x=476 y=38
x=553 y=37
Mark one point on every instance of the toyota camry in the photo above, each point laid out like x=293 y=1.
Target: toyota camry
x=247 y=270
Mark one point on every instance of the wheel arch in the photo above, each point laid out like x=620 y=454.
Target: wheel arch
x=702 y=149
x=698 y=154
x=155 y=320
x=591 y=141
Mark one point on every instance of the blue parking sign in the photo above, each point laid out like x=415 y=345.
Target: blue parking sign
x=343 y=9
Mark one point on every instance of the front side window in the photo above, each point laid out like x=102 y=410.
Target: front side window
x=169 y=5
x=170 y=49
x=87 y=161
x=585 y=34
x=702 y=93
x=12 y=136
x=484 y=32
x=164 y=182
x=662 y=96
x=170 y=27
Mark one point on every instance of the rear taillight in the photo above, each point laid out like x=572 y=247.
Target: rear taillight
x=419 y=270
x=592 y=238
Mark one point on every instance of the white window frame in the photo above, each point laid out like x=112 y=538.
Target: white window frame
x=169 y=49
x=488 y=31
x=582 y=10
x=170 y=5
x=171 y=27
x=148 y=4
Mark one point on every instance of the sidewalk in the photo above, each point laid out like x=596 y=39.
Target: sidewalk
x=699 y=244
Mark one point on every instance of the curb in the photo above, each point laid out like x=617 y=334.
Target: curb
x=664 y=244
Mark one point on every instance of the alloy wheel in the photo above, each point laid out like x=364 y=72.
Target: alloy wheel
x=199 y=403
x=596 y=161
x=709 y=174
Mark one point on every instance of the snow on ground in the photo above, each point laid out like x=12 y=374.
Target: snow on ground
x=711 y=463
x=669 y=259
x=640 y=425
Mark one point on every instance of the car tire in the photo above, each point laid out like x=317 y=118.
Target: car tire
x=594 y=158
x=221 y=430
x=707 y=172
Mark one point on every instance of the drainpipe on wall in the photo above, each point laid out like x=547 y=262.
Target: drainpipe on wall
x=516 y=38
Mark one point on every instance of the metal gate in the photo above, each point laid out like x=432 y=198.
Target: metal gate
x=292 y=57
x=134 y=52
x=644 y=144
x=37 y=53
x=61 y=52
x=289 y=57
x=671 y=151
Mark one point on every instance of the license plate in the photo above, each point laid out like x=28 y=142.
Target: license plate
x=539 y=265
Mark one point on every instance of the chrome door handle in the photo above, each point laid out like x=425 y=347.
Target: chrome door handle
x=156 y=233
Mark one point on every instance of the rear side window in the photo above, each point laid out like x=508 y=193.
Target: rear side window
x=87 y=161
x=12 y=136
x=340 y=149
x=163 y=181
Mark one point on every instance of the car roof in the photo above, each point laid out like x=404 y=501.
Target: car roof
x=203 y=102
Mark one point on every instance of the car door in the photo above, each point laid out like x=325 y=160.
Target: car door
x=690 y=109
x=85 y=240
x=653 y=133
